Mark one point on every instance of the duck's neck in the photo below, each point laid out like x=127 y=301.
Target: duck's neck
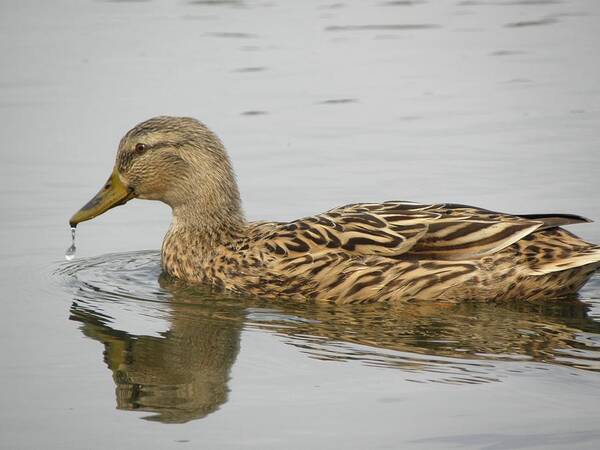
x=212 y=226
x=198 y=230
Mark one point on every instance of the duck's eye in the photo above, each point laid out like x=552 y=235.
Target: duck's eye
x=140 y=148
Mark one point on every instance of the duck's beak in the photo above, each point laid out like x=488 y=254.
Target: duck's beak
x=114 y=193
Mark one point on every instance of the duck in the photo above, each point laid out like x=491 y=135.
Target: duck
x=394 y=251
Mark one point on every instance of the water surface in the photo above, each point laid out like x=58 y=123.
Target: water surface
x=490 y=103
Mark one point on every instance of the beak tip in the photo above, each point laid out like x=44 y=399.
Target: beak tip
x=80 y=216
x=114 y=193
x=75 y=219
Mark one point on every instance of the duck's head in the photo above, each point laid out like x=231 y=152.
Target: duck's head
x=176 y=160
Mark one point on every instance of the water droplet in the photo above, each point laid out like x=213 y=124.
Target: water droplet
x=70 y=253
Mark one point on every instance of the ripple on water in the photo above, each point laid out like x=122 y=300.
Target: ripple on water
x=383 y=27
x=531 y=23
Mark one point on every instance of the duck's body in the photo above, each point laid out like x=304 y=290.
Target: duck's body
x=392 y=251
x=395 y=251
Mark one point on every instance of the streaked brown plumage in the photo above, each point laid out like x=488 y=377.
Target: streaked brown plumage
x=366 y=252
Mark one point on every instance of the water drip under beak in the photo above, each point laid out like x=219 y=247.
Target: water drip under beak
x=114 y=193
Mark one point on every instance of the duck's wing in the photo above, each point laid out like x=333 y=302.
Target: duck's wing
x=402 y=229
x=351 y=229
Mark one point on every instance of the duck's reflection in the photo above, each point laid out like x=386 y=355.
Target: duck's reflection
x=182 y=372
x=558 y=332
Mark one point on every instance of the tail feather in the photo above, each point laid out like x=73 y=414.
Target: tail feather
x=555 y=220
x=578 y=258
x=555 y=250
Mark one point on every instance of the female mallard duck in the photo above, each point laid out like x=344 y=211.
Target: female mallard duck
x=364 y=252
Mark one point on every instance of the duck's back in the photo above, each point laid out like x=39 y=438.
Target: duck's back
x=401 y=251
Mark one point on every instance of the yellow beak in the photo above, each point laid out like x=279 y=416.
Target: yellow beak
x=114 y=193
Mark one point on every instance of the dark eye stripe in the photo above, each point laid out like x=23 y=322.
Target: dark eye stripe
x=127 y=157
x=158 y=145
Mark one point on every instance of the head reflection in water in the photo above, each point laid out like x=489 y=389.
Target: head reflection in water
x=180 y=375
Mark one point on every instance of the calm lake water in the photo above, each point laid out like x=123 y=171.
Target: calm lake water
x=492 y=103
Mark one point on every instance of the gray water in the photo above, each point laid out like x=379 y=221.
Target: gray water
x=320 y=103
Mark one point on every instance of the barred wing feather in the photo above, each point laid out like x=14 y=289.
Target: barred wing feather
x=403 y=229
x=355 y=232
